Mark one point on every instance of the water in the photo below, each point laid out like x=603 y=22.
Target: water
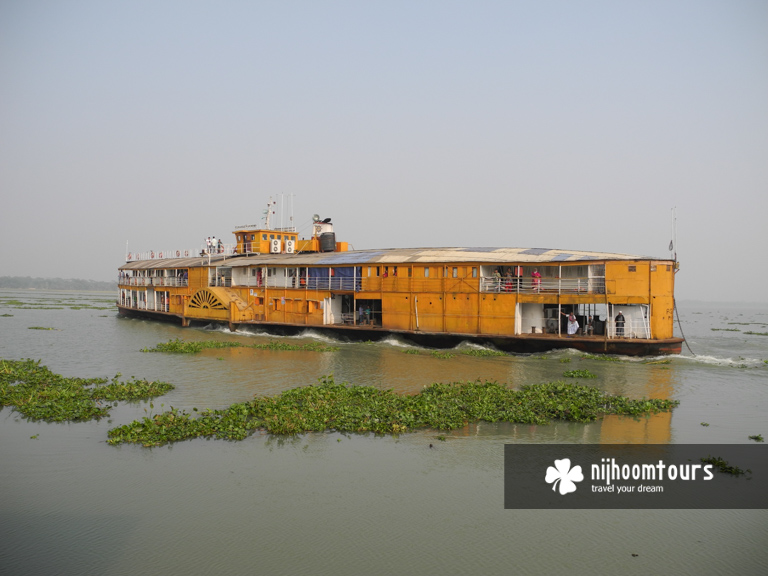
x=352 y=504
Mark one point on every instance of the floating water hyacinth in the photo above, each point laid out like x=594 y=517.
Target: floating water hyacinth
x=579 y=374
x=39 y=394
x=179 y=346
x=345 y=408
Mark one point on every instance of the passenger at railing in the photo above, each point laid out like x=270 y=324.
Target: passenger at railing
x=508 y=280
x=208 y=245
x=497 y=280
x=220 y=246
x=589 y=329
x=619 y=325
x=536 y=280
x=573 y=324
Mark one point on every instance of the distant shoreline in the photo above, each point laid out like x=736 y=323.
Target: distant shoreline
x=74 y=284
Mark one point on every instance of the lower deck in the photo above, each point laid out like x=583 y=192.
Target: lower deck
x=534 y=342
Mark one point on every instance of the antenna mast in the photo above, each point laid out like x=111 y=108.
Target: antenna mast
x=673 y=242
x=268 y=212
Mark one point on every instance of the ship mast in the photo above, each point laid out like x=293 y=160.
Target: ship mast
x=673 y=241
x=268 y=212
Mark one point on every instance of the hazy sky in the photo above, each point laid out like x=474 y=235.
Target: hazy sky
x=555 y=124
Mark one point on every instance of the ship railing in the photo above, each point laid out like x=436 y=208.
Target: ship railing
x=150 y=306
x=152 y=281
x=222 y=250
x=548 y=285
x=633 y=328
x=345 y=284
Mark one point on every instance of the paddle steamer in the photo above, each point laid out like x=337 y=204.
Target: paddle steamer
x=514 y=299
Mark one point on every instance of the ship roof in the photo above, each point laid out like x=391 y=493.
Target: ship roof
x=392 y=256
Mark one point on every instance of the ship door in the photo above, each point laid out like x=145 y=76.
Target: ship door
x=332 y=310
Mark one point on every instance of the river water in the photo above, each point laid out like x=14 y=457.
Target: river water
x=329 y=503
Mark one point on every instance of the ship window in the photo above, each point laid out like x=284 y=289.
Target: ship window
x=409 y=271
x=653 y=267
x=253 y=236
x=263 y=236
x=271 y=236
x=279 y=237
x=474 y=272
x=669 y=267
x=455 y=272
x=633 y=268
x=426 y=272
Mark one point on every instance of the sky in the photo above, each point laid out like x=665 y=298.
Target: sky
x=552 y=124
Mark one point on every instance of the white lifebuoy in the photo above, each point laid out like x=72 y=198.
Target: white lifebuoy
x=151 y=254
x=186 y=253
x=178 y=253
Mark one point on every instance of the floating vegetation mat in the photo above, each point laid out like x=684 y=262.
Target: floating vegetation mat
x=57 y=304
x=480 y=352
x=723 y=466
x=39 y=394
x=579 y=374
x=179 y=346
x=346 y=408
x=602 y=358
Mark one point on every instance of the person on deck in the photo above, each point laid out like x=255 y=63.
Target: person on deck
x=508 y=281
x=620 y=325
x=536 y=280
x=573 y=324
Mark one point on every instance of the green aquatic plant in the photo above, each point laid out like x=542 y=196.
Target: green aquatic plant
x=601 y=357
x=757 y=333
x=564 y=360
x=179 y=346
x=412 y=351
x=579 y=374
x=723 y=466
x=482 y=352
x=442 y=355
x=310 y=347
x=40 y=328
x=705 y=424
x=39 y=394
x=658 y=362
x=344 y=408
x=725 y=329
x=6 y=315
x=757 y=438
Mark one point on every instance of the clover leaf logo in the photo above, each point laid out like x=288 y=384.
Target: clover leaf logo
x=565 y=475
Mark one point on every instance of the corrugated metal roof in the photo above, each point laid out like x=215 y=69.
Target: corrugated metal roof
x=392 y=256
